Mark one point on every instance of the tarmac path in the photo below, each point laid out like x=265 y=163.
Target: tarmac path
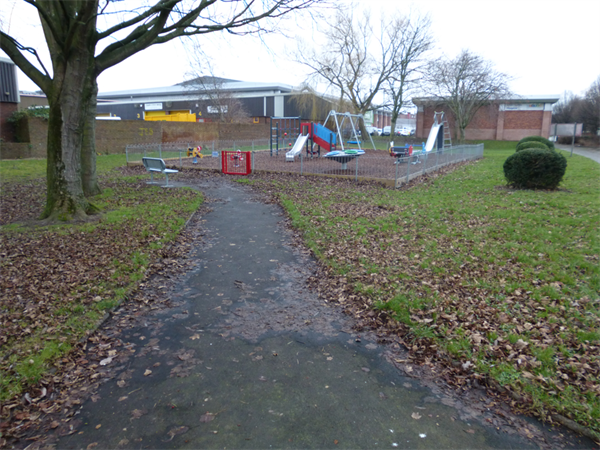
x=591 y=153
x=250 y=358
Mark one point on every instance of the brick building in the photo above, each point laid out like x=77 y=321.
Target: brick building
x=9 y=97
x=502 y=120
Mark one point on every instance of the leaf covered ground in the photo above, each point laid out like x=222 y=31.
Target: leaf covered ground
x=59 y=281
x=489 y=286
x=492 y=286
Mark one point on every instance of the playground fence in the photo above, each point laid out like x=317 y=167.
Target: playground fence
x=179 y=150
x=373 y=165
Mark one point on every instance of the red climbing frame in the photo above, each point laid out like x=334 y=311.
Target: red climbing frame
x=236 y=163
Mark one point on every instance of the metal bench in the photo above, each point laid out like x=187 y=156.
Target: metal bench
x=157 y=165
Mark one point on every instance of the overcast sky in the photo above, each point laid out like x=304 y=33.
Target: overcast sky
x=548 y=46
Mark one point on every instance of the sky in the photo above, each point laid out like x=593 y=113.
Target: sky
x=547 y=46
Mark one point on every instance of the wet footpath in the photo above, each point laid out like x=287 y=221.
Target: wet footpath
x=248 y=357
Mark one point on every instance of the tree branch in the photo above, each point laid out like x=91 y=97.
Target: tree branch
x=15 y=51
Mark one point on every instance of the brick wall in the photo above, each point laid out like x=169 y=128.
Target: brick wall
x=490 y=123
x=7 y=132
x=113 y=136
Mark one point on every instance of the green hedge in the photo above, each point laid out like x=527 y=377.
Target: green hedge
x=535 y=169
x=532 y=144
x=541 y=139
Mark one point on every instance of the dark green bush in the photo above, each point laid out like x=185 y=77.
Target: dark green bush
x=531 y=144
x=43 y=112
x=541 y=139
x=535 y=169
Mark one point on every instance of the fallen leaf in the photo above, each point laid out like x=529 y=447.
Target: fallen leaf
x=208 y=417
x=175 y=431
x=137 y=413
x=416 y=415
x=147 y=372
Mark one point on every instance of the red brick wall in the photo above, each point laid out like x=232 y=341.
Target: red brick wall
x=113 y=136
x=490 y=123
x=7 y=129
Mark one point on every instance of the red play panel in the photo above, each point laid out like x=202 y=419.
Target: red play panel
x=236 y=163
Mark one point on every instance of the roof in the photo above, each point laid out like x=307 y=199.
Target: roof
x=187 y=91
x=512 y=99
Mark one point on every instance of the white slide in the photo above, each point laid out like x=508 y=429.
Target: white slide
x=433 y=135
x=297 y=148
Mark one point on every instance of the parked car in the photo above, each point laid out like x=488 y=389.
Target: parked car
x=386 y=131
x=373 y=131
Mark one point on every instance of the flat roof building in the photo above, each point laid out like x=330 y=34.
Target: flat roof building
x=509 y=119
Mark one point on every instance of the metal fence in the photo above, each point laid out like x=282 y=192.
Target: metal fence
x=373 y=165
x=179 y=150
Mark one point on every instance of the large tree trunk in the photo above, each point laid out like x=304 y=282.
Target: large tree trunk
x=72 y=87
x=88 y=149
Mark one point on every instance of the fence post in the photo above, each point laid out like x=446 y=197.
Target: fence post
x=407 y=169
x=396 y=179
x=356 y=170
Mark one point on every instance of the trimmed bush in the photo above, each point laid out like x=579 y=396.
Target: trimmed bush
x=531 y=144
x=535 y=168
x=541 y=139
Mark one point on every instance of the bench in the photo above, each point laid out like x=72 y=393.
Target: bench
x=157 y=165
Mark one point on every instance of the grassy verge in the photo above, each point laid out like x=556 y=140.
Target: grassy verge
x=496 y=285
x=58 y=281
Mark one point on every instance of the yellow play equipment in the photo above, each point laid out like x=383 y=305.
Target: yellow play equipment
x=195 y=152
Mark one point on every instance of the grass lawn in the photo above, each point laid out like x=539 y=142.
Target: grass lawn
x=492 y=285
x=58 y=281
x=497 y=285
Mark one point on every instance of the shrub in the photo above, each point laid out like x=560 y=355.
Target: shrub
x=42 y=112
x=541 y=139
x=532 y=144
x=535 y=169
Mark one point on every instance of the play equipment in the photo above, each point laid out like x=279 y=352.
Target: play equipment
x=343 y=157
x=196 y=153
x=314 y=134
x=439 y=135
x=284 y=131
x=346 y=123
x=297 y=148
x=236 y=163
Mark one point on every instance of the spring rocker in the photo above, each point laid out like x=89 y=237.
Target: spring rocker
x=195 y=152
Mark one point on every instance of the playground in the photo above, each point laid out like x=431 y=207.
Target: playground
x=272 y=313
x=308 y=148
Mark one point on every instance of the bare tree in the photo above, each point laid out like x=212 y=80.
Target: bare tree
x=80 y=50
x=590 y=111
x=354 y=62
x=465 y=84
x=412 y=37
x=206 y=87
x=312 y=105
x=567 y=109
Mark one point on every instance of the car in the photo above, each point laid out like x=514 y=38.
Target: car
x=386 y=131
x=404 y=131
x=373 y=131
